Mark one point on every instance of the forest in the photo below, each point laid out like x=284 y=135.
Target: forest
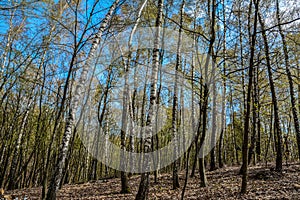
x=149 y=99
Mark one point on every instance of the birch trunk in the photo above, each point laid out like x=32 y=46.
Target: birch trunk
x=126 y=102
x=144 y=184
x=57 y=176
x=175 y=102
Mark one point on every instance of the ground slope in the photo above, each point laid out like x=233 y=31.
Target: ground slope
x=223 y=184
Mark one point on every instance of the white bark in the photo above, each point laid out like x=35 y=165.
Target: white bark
x=144 y=184
x=56 y=179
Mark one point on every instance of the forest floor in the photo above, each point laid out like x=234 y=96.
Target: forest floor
x=224 y=183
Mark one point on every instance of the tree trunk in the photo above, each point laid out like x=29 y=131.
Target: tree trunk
x=214 y=130
x=258 y=139
x=251 y=152
x=202 y=173
x=277 y=128
x=211 y=53
x=223 y=114
x=175 y=101
x=244 y=168
x=144 y=184
x=57 y=176
x=290 y=79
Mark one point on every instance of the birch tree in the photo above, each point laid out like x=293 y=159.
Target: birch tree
x=175 y=100
x=144 y=184
x=57 y=176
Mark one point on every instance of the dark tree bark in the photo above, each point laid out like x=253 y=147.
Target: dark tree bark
x=17 y=149
x=223 y=117
x=203 y=180
x=290 y=79
x=251 y=152
x=258 y=138
x=212 y=54
x=244 y=168
x=277 y=128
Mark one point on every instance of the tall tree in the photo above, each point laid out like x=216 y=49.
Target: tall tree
x=57 y=176
x=289 y=75
x=175 y=100
x=223 y=112
x=126 y=101
x=277 y=127
x=244 y=168
x=144 y=184
x=209 y=83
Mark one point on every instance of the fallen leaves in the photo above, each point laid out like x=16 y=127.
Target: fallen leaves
x=297 y=186
x=223 y=184
x=3 y=196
